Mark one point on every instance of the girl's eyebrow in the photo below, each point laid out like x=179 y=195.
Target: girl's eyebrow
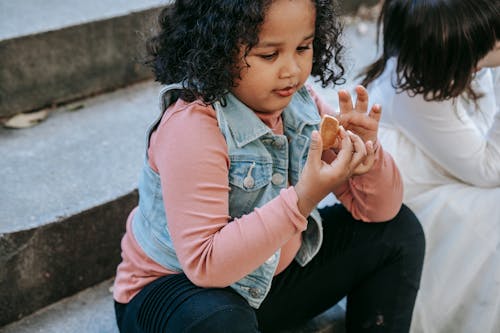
x=274 y=44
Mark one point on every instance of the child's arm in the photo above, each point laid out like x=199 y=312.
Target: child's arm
x=190 y=154
x=452 y=139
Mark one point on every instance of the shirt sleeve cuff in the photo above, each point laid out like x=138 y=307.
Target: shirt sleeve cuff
x=291 y=200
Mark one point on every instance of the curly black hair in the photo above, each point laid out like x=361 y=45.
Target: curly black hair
x=199 y=40
x=437 y=43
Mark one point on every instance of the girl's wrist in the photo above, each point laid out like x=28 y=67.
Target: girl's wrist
x=305 y=203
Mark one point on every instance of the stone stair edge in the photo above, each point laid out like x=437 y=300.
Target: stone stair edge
x=42 y=265
x=74 y=62
x=56 y=172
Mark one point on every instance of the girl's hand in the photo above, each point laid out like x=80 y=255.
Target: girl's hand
x=369 y=157
x=356 y=118
x=319 y=178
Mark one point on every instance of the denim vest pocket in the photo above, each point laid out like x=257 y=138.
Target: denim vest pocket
x=249 y=176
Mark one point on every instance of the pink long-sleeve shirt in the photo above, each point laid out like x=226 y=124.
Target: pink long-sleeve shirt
x=190 y=154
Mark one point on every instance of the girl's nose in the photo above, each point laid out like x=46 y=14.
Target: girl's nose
x=289 y=68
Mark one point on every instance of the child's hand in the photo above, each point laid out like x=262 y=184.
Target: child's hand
x=319 y=178
x=362 y=148
x=356 y=118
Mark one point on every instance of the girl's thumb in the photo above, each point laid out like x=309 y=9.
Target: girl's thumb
x=316 y=146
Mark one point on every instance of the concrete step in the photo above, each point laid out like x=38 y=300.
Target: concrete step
x=67 y=187
x=57 y=51
x=91 y=311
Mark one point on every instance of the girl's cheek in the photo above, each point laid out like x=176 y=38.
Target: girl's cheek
x=492 y=59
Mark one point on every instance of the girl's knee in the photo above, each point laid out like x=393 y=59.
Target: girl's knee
x=408 y=235
x=408 y=225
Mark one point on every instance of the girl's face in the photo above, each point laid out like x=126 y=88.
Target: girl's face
x=492 y=59
x=281 y=62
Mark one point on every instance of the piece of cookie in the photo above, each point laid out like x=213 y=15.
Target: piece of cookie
x=328 y=129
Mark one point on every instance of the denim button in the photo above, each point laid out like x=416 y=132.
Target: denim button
x=279 y=143
x=277 y=179
x=248 y=182
x=254 y=292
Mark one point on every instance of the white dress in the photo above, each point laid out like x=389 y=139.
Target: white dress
x=449 y=155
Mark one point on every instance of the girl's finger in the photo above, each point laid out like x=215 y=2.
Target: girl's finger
x=344 y=155
x=367 y=164
x=375 y=112
x=370 y=154
x=345 y=102
x=359 y=149
x=315 y=150
x=361 y=99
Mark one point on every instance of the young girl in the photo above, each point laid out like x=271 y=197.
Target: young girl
x=226 y=236
x=438 y=78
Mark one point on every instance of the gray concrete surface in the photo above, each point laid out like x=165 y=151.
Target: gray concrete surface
x=67 y=186
x=79 y=49
x=74 y=160
x=90 y=311
x=350 y=6
x=30 y=17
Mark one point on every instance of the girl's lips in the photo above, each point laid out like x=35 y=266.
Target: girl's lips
x=285 y=92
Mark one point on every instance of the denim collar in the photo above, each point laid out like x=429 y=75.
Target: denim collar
x=246 y=126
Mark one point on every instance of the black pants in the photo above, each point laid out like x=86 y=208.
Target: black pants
x=376 y=265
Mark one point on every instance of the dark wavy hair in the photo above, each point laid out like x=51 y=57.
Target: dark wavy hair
x=438 y=44
x=199 y=40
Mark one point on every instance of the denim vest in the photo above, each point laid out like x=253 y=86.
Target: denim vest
x=261 y=165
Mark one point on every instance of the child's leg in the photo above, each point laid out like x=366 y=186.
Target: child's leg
x=174 y=304
x=377 y=265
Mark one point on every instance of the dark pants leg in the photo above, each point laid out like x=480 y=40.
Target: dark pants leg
x=174 y=304
x=377 y=265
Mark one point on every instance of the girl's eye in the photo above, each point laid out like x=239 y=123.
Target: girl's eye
x=270 y=56
x=304 y=48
